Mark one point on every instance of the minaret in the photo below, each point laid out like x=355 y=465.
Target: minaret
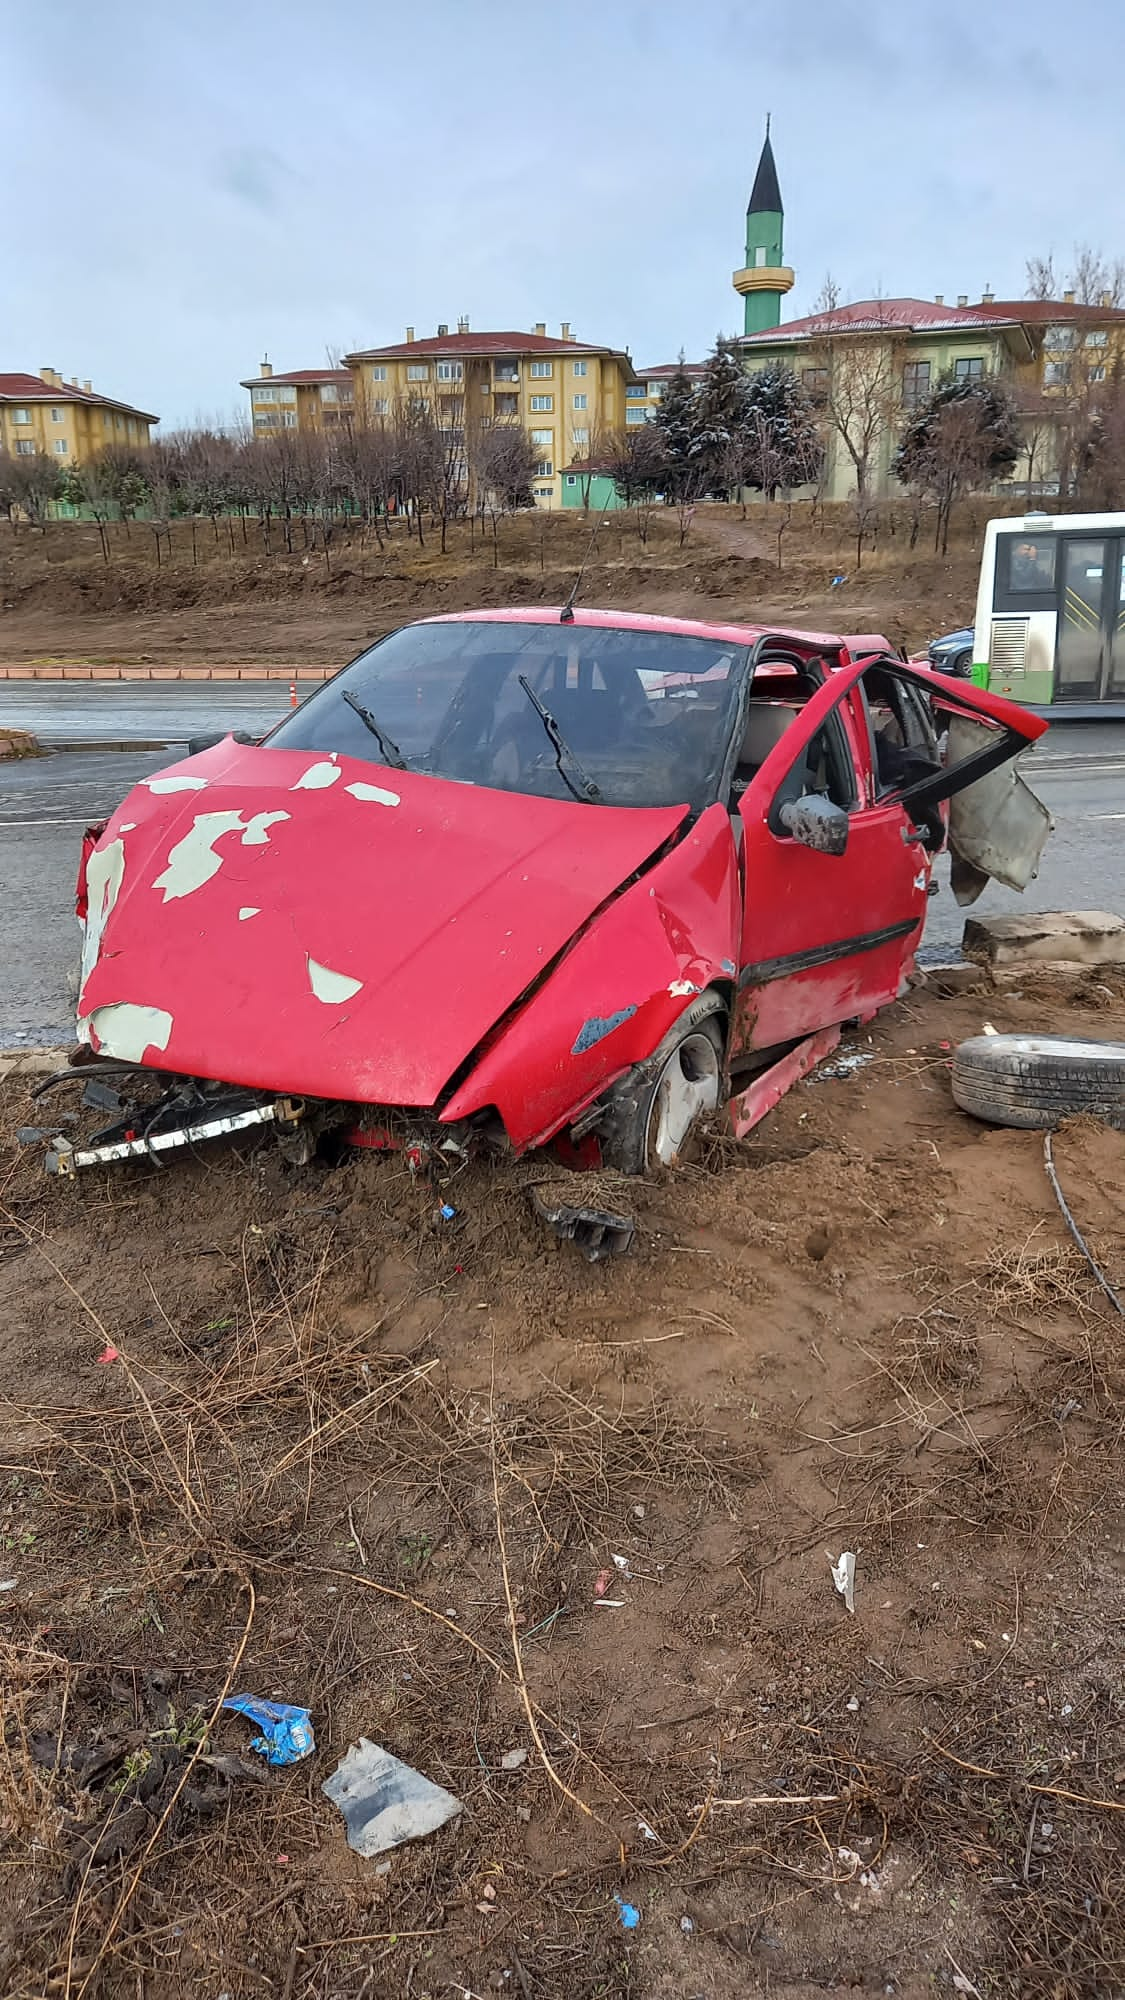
x=765 y=279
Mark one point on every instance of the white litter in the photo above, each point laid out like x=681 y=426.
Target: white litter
x=385 y=1802
x=513 y=1760
x=843 y=1576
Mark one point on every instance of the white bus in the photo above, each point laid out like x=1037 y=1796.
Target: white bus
x=1050 y=624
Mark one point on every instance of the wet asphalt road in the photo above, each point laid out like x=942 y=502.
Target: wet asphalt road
x=46 y=802
x=142 y=711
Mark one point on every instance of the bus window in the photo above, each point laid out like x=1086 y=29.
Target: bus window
x=1031 y=564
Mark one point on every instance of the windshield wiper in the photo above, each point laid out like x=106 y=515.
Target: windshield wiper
x=392 y=755
x=583 y=788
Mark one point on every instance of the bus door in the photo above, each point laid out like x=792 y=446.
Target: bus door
x=1090 y=657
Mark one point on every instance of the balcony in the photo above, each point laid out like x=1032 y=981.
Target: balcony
x=506 y=371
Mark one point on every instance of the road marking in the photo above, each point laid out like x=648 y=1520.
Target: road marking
x=1102 y=815
x=7 y=825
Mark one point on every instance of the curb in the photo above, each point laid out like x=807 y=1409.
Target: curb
x=88 y=671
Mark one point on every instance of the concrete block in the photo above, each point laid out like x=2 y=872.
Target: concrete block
x=17 y=743
x=1055 y=938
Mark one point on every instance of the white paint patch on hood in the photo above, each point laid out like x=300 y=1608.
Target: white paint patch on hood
x=318 y=777
x=331 y=987
x=105 y=872
x=193 y=860
x=373 y=793
x=176 y=783
x=248 y=911
x=127 y=1031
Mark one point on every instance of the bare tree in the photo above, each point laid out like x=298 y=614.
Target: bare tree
x=1042 y=282
x=505 y=469
x=34 y=481
x=856 y=379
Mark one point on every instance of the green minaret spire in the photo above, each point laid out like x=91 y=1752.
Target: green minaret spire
x=765 y=278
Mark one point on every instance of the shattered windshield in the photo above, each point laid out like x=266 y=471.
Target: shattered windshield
x=639 y=718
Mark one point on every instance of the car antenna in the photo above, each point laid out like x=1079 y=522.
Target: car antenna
x=566 y=615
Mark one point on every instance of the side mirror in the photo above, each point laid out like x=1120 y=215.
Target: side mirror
x=816 y=822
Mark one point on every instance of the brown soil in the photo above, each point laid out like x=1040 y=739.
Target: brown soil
x=226 y=600
x=338 y=1432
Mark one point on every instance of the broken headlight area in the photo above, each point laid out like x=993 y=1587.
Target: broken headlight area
x=148 y=1124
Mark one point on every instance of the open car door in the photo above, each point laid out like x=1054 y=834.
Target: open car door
x=840 y=825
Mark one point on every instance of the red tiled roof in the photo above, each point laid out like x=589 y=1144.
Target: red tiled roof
x=480 y=345
x=664 y=370
x=885 y=315
x=1036 y=312
x=300 y=377
x=33 y=389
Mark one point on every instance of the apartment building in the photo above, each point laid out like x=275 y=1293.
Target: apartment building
x=565 y=392
x=69 y=421
x=306 y=399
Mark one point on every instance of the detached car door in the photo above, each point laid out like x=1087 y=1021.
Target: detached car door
x=840 y=825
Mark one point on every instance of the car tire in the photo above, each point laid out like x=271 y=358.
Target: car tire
x=963 y=664
x=1032 y=1082
x=652 y=1113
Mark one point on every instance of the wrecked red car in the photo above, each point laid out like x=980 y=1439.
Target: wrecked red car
x=537 y=876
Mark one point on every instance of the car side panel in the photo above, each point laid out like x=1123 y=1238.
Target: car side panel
x=616 y=992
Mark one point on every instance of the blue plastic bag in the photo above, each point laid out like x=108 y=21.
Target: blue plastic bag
x=287 y=1733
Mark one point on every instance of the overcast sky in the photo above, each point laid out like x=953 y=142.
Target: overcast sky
x=189 y=188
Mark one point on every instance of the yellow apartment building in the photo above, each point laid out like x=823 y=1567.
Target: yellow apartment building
x=69 y=421
x=565 y=392
x=306 y=399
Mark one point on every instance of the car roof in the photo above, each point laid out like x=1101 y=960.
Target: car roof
x=643 y=621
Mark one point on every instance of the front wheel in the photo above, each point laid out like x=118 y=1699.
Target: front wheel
x=653 y=1113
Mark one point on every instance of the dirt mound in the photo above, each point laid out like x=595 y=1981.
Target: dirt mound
x=301 y=1433
x=234 y=592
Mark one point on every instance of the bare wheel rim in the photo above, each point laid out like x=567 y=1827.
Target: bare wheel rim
x=688 y=1090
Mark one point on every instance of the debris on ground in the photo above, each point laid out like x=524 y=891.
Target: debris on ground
x=597 y=1232
x=287 y=1732
x=843 y=1576
x=384 y=1801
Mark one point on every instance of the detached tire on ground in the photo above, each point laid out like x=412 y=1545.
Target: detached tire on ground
x=1034 y=1081
x=655 y=1109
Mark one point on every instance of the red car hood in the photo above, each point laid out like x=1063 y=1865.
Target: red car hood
x=326 y=926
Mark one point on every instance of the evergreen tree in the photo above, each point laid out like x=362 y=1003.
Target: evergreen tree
x=677 y=420
x=784 y=445
x=967 y=434
x=721 y=412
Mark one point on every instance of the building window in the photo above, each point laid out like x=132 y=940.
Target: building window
x=378 y=406
x=545 y=402
x=579 y=367
x=21 y=416
x=1055 y=373
x=379 y=374
x=580 y=436
x=263 y=395
x=449 y=371
x=654 y=390
x=1058 y=338
x=571 y=480
x=1096 y=374
x=508 y=406
x=580 y=402
x=506 y=371
x=915 y=384
x=289 y=419
x=634 y=390
x=759 y=259
x=815 y=383
x=328 y=392
x=61 y=447
x=543 y=369
x=25 y=448
x=544 y=493
x=969 y=370
x=543 y=437
x=120 y=423
x=545 y=469
x=417 y=371
x=57 y=416
x=287 y=395
x=107 y=422
x=636 y=416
